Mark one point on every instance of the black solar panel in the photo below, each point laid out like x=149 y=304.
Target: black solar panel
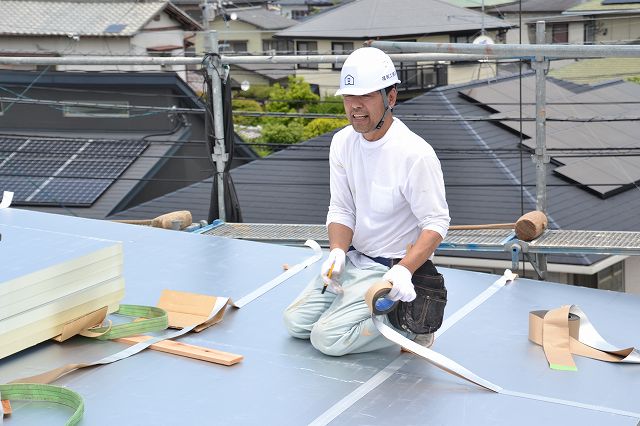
x=606 y=2
x=71 y=172
x=602 y=176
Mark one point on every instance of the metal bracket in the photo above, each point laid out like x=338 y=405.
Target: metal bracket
x=219 y=157
x=537 y=260
x=539 y=263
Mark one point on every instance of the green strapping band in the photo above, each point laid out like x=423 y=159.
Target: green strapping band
x=563 y=367
x=48 y=393
x=155 y=319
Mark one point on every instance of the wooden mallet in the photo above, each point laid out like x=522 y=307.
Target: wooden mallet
x=528 y=227
x=166 y=221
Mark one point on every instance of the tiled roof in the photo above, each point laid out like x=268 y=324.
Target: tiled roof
x=263 y=18
x=83 y=18
x=392 y=18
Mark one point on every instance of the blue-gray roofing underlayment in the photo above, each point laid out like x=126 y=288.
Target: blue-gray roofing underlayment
x=285 y=381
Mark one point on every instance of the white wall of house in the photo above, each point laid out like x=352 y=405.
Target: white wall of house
x=620 y=29
x=288 y=10
x=632 y=274
x=576 y=32
x=468 y=71
x=513 y=35
x=241 y=31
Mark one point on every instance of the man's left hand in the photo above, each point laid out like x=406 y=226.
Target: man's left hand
x=402 y=289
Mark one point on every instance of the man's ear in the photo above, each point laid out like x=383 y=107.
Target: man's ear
x=393 y=97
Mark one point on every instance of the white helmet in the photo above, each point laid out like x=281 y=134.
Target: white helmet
x=366 y=70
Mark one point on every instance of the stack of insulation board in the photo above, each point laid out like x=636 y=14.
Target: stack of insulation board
x=48 y=279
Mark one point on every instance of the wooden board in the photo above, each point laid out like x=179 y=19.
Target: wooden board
x=186 y=350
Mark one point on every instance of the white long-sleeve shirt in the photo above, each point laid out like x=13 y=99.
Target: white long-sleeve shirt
x=387 y=191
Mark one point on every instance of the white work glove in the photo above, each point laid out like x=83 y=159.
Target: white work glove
x=337 y=258
x=402 y=288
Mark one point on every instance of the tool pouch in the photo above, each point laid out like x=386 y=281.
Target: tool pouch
x=425 y=313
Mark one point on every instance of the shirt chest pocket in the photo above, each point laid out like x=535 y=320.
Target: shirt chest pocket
x=384 y=199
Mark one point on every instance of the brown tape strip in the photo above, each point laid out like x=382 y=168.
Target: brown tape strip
x=582 y=338
x=81 y=324
x=555 y=341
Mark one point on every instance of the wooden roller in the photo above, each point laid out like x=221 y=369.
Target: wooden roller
x=528 y=227
x=164 y=221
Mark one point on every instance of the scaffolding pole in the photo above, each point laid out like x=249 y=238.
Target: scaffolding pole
x=219 y=156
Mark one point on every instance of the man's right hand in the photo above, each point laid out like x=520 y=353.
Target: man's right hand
x=332 y=268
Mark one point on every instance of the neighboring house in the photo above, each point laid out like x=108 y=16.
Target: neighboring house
x=572 y=21
x=608 y=21
x=303 y=9
x=95 y=27
x=345 y=28
x=194 y=8
x=250 y=31
x=484 y=164
x=93 y=161
x=559 y=29
x=261 y=74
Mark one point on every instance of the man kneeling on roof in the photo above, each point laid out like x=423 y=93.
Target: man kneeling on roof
x=387 y=193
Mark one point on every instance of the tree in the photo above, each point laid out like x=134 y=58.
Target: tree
x=295 y=97
x=320 y=126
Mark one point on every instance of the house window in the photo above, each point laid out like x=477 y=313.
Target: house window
x=612 y=278
x=277 y=47
x=560 y=33
x=462 y=38
x=307 y=48
x=341 y=48
x=234 y=46
x=95 y=111
x=589 y=32
x=299 y=14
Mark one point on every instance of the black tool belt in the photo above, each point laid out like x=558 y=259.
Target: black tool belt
x=425 y=313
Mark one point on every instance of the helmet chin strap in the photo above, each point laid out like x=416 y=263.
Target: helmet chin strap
x=385 y=101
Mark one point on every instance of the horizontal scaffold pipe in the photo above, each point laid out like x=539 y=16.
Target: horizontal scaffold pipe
x=249 y=59
x=522 y=51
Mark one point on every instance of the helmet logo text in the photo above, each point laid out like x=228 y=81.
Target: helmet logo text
x=388 y=76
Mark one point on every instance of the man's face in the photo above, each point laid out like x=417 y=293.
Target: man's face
x=365 y=111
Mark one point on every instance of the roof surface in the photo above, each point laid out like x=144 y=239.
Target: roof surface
x=391 y=18
x=285 y=381
x=478 y=3
x=598 y=6
x=83 y=18
x=602 y=175
x=540 y=6
x=264 y=19
x=272 y=71
x=306 y=2
x=597 y=70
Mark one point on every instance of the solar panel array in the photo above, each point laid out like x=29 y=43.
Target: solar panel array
x=69 y=172
x=600 y=175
